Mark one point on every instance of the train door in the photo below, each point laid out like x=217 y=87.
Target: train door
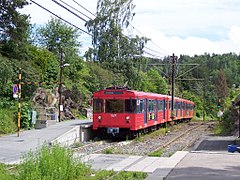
x=176 y=108
x=155 y=110
x=164 y=109
x=145 y=105
x=181 y=108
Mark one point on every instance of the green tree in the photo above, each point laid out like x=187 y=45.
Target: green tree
x=57 y=37
x=107 y=27
x=114 y=50
x=14 y=29
x=6 y=74
x=221 y=85
x=46 y=62
x=56 y=34
x=159 y=84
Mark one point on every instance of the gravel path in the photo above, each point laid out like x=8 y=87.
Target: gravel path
x=150 y=142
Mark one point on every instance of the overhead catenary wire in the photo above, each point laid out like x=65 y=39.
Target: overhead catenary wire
x=84 y=8
x=64 y=7
x=150 y=40
x=165 y=54
x=155 y=56
x=61 y=18
x=75 y=9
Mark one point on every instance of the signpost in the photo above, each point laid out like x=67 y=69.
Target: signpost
x=15 y=91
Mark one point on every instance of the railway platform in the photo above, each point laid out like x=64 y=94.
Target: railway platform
x=163 y=165
x=12 y=147
x=209 y=159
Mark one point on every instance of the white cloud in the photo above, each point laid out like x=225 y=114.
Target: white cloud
x=192 y=45
x=181 y=27
x=234 y=35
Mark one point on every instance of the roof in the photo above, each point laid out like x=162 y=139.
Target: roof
x=140 y=94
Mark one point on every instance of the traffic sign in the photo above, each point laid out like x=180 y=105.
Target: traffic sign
x=220 y=114
x=15 y=89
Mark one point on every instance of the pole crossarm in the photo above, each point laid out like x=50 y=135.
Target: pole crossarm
x=160 y=69
x=195 y=66
x=190 y=79
x=40 y=83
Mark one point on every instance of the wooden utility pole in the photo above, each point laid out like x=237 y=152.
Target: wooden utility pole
x=60 y=86
x=173 y=59
x=19 y=98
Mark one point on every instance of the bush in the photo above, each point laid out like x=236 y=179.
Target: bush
x=25 y=116
x=4 y=173
x=226 y=125
x=7 y=124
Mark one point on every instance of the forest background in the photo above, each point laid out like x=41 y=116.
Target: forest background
x=115 y=59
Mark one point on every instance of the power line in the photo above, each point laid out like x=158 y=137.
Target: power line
x=154 y=51
x=75 y=9
x=64 y=7
x=84 y=8
x=153 y=55
x=61 y=18
x=150 y=39
x=90 y=18
x=124 y=35
x=85 y=21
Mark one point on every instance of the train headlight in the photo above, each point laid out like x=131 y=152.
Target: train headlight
x=127 y=119
x=99 y=118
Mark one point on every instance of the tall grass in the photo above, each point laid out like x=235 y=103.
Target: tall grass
x=52 y=163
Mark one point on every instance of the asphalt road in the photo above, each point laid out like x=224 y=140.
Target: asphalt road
x=12 y=147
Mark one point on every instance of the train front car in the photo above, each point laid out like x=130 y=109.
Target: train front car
x=114 y=111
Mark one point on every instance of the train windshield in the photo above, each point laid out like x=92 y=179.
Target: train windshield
x=121 y=106
x=114 y=106
x=98 y=105
x=130 y=105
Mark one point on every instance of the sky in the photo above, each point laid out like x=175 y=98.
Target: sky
x=188 y=27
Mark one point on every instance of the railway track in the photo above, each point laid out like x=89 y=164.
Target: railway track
x=175 y=139
x=183 y=136
x=99 y=146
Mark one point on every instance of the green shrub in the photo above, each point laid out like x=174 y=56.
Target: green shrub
x=130 y=176
x=108 y=151
x=4 y=173
x=157 y=153
x=226 y=122
x=25 y=116
x=7 y=124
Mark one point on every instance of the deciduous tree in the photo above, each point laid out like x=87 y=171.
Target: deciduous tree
x=14 y=29
x=221 y=85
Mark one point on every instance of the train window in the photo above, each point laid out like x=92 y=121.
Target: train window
x=150 y=105
x=175 y=105
x=179 y=105
x=114 y=106
x=130 y=105
x=98 y=105
x=140 y=105
x=160 y=105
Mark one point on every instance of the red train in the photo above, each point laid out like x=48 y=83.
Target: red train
x=121 y=111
